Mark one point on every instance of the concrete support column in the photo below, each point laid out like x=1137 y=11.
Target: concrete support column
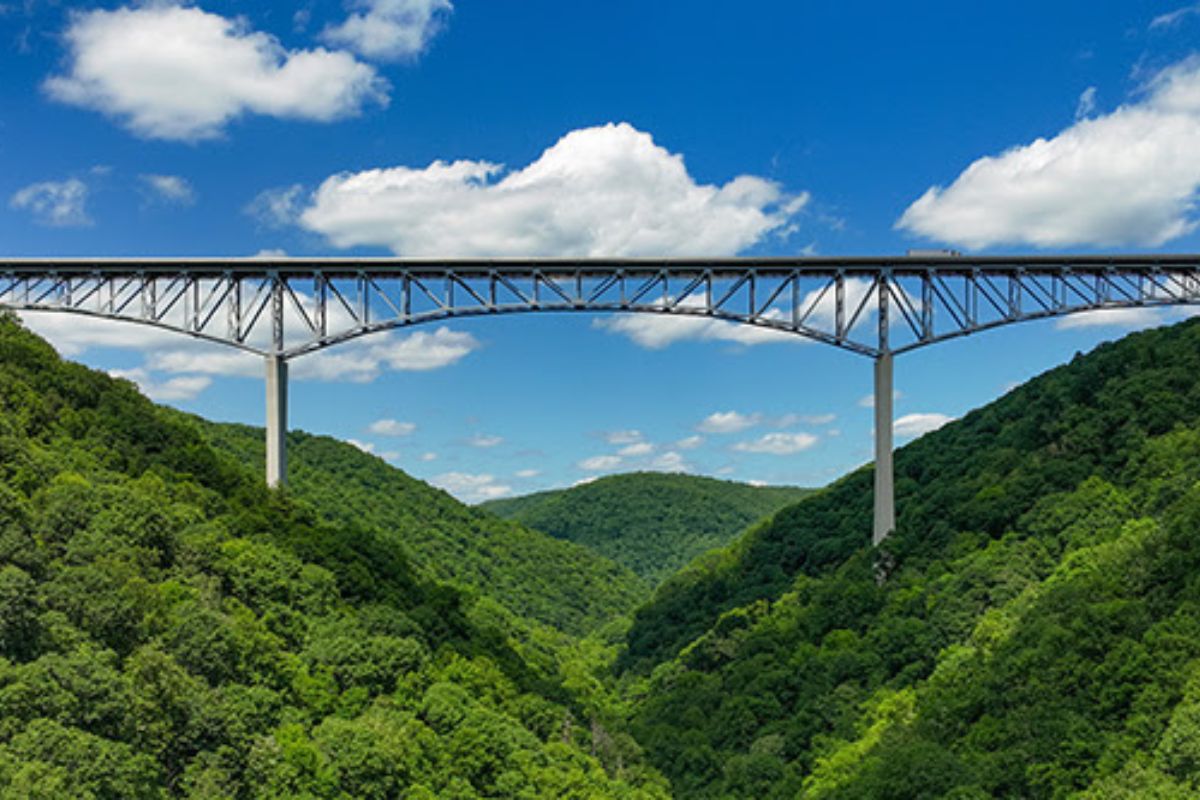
x=885 y=501
x=276 y=421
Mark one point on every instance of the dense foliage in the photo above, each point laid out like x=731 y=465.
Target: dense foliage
x=170 y=629
x=652 y=522
x=533 y=575
x=1037 y=636
x=978 y=474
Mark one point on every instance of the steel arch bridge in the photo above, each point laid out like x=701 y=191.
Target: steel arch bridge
x=876 y=307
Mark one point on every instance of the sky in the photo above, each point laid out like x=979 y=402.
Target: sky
x=504 y=128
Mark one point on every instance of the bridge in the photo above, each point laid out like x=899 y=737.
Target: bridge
x=284 y=308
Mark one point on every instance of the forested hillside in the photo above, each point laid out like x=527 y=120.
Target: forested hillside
x=1037 y=636
x=169 y=628
x=652 y=522
x=532 y=575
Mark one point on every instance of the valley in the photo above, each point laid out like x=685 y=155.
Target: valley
x=170 y=628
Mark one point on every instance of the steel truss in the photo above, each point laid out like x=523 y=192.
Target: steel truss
x=290 y=307
x=876 y=307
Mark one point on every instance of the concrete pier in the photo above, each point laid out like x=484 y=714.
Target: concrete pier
x=885 y=501
x=277 y=387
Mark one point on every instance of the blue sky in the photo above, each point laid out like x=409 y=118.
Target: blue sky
x=420 y=127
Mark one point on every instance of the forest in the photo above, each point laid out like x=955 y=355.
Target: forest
x=171 y=629
x=654 y=523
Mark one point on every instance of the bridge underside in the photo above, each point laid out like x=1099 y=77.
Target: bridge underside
x=876 y=307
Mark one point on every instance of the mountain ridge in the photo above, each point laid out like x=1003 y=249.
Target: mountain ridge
x=652 y=522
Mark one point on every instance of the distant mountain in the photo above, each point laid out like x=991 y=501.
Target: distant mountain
x=1037 y=634
x=533 y=575
x=652 y=522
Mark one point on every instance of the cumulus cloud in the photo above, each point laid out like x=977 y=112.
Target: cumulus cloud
x=655 y=331
x=59 y=204
x=728 y=422
x=471 y=488
x=689 y=443
x=391 y=427
x=607 y=190
x=600 y=463
x=526 y=474
x=919 y=424
x=670 y=461
x=636 y=450
x=177 y=72
x=778 y=444
x=390 y=30
x=171 y=189
x=1125 y=178
x=357 y=361
x=184 y=387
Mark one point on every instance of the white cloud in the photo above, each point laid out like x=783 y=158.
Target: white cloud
x=1127 y=177
x=528 y=473
x=485 y=441
x=422 y=351
x=600 y=463
x=1086 y=104
x=757 y=483
x=778 y=444
x=585 y=481
x=728 y=422
x=919 y=424
x=656 y=331
x=1173 y=18
x=471 y=488
x=427 y=457
x=390 y=29
x=171 y=189
x=1129 y=318
x=366 y=447
x=670 y=462
x=636 y=450
x=357 y=361
x=391 y=427
x=690 y=443
x=59 y=204
x=606 y=190
x=177 y=72
x=184 y=387
x=276 y=207
x=623 y=437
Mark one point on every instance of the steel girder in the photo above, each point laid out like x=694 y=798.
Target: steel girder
x=289 y=307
